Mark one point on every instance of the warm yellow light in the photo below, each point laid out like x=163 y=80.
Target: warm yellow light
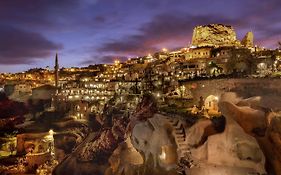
x=51 y=132
x=162 y=156
x=164 y=50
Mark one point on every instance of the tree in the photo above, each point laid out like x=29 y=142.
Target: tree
x=279 y=44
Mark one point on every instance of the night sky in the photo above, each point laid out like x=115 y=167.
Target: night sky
x=97 y=31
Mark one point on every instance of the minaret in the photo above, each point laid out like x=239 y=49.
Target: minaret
x=56 y=71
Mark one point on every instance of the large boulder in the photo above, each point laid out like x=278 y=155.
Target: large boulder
x=125 y=159
x=255 y=115
x=231 y=152
x=151 y=137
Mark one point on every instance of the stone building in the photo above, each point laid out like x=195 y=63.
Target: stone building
x=199 y=52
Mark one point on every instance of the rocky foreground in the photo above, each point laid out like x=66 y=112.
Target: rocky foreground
x=245 y=140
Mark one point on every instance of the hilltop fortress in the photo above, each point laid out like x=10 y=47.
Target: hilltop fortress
x=219 y=35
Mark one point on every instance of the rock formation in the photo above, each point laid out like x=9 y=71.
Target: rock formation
x=151 y=136
x=230 y=152
x=256 y=117
x=214 y=35
x=125 y=160
x=105 y=143
x=92 y=154
x=248 y=40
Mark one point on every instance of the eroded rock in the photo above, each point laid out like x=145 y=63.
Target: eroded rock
x=231 y=152
x=125 y=160
x=214 y=35
x=256 y=117
x=248 y=40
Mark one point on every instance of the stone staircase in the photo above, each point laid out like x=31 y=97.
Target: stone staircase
x=179 y=135
x=184 y=154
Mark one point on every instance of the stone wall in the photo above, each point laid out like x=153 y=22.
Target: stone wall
x=244 y=87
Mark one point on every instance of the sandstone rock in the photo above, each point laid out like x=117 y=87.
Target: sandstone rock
x=72 y=166
x=270 y=140
x=197 y=133
x=272 y=144
x=230 y=97
x=248 y=118
x=231 y=152
x=125 y=159
x=150 y=137
x=214 y=35
x=146 y=108
x=248 y=40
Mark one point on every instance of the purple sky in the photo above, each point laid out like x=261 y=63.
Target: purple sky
x=97 y=31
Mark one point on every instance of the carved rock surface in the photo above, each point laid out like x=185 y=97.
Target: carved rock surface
x=261 y=122
x=231 y=152
x=125 y=160
x=150 y=136
x=214 y=35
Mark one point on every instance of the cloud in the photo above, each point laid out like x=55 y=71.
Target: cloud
x=164 y=30
x=18 y=46
x=123 y=28
x=100 y=19
x=174 y=30
x=40 y=14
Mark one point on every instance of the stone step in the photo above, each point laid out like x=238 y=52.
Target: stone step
x=179 y=137
x=179 y=132
x=179 y=125
x=182 y=144
x=185 y=148
x=184 y=152
x=180 y=140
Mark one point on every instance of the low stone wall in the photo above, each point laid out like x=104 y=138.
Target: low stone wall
x=244 y=87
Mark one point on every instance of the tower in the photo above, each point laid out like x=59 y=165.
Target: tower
x=56 y=71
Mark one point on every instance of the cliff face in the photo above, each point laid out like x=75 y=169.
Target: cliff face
x=248 y=40
x=214 y=35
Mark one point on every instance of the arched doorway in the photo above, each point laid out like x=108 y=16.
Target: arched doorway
x=211 y=104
